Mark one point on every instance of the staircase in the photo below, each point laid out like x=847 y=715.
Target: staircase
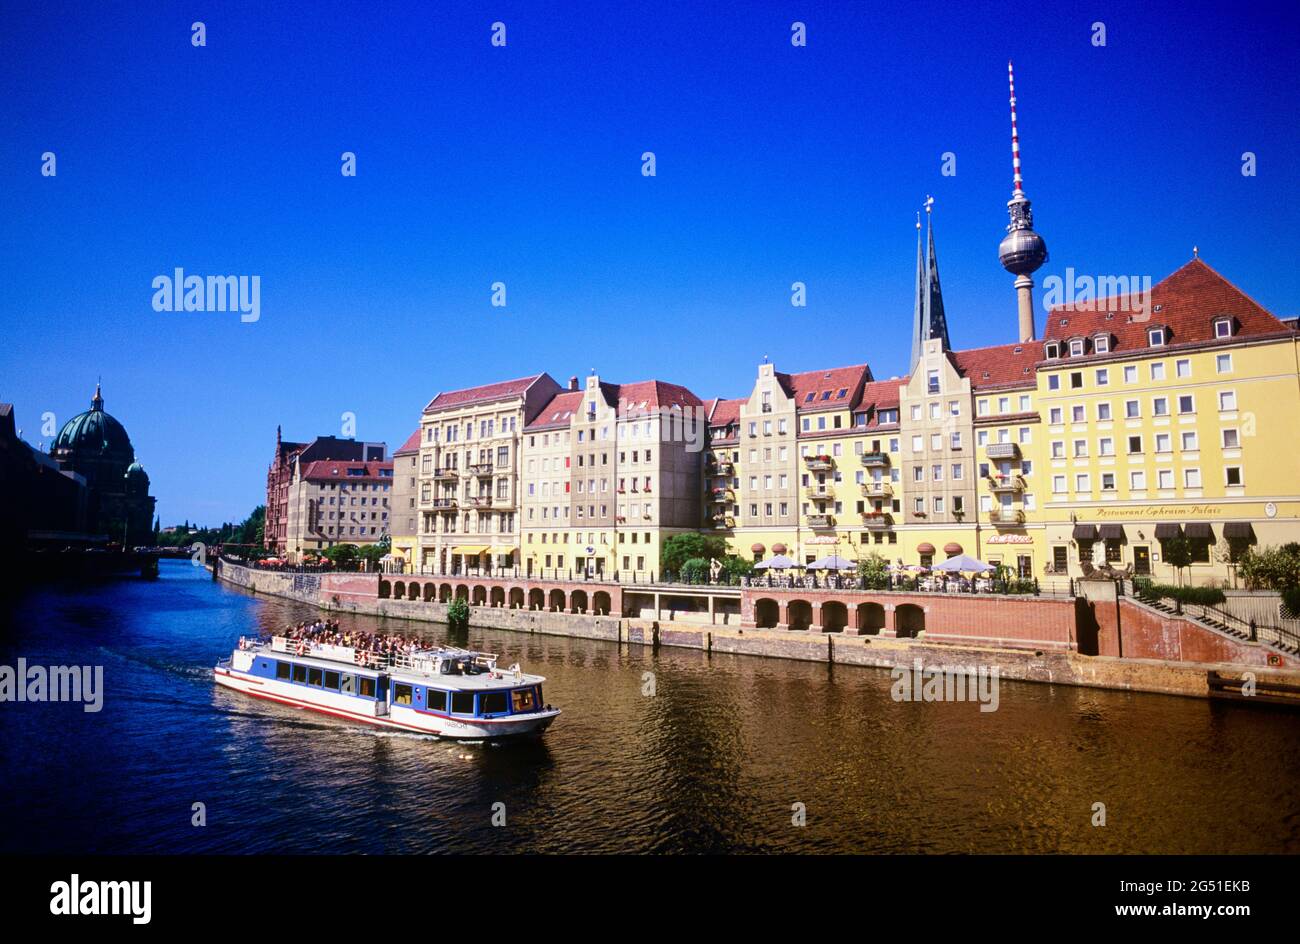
x=1225 y=623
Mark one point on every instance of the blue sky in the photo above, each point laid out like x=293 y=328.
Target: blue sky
x=522 y=165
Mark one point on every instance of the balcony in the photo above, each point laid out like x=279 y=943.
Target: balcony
x=821 y=522
x=480 y=501
x=481 y=468
x=819 y=463
x=723 y=522
x=444 y=504
x=721 y=468
x=875 y=460
x=723 y=495
x=877 y=520
x=819 y=494
x=446 y=475
x=1002 y=451
x=1006 y=518
x=1000 y=484
x=878 y=490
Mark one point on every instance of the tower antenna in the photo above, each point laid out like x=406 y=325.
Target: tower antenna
x=1022 y=250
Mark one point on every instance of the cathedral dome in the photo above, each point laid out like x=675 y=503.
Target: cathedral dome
x=93 y=433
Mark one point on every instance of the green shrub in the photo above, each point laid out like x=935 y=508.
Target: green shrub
x=695 y=570
x=1291 y=600
x=1145 y=589
x=458 y=613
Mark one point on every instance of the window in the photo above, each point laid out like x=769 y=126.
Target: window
x=1183 y=367
x=1160 y=406
x=1082 y=483
x=1227 y=401
x=1103 y=412
x=1134 y=445
x=1137 y=481
x=1165 y=478
x=493 y=703
x=1223 y=363
x=1232 y=475
x=1231 y=439
x=332 y=680
x=1076 y=347
x=462 y=703
x=1052 y=350
x=1156 y=337
x=1186 y=403
x=1076 y=380
x=437 y=700
x=300 y=674
x=1158 y=370
x=282 y=671
x=1223 y=327
x=1053 y=382
x=1189 y=441
x=402 y=694
x=1108 y=481
x=523 y=700
x=1163 y=443
x=1130 y=374
x=1058 y=484
x=1106 y=446
x=1055 y=416
x=315 y=676
x=1077 y=414
x=1101 y=344
x=1132 y=409
x=367 y=687
x=1103 y=378
x=1058 y=449
x=1192 y=478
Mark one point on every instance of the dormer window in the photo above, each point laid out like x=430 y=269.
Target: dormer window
x=1076 y=347
x=1156 y=337
x=1223 y=327
x=1101 y=344
x=1052 y=350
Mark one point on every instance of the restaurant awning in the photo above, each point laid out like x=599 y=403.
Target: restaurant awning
x=1111 y=532
x=952 y=549
x=1084 y=532
x=1167 y=529
x=778 y=548
x=926 y=548
x=757 y=548
x=1199 y=531
x=1238 y=531
x=470 y=550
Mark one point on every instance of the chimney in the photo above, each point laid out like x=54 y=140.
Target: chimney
x=573 y=383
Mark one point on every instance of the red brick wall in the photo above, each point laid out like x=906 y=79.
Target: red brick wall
x=1143 y=634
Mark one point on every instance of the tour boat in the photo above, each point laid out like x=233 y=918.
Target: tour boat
x=448 y=692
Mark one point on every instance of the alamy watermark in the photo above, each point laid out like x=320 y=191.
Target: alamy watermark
x=1119 y=293
x=38 y=683
x=946 y=683
x=181 y=292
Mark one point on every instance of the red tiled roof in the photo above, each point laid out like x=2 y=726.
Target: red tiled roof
x=725 y=412
x=825 y=386
x=1004 y=365
x=1186 y=302
x=493 y=391
x=558 y=411
x=412 y=444
x=337 y=471
x=653 y=394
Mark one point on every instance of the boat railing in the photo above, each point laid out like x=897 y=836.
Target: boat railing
x=424 y=662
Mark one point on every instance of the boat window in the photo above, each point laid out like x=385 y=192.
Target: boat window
x=300 y=674
x=349 y=685
x=282 y=671
x=367 y=686
x=314 y=677
x=462 y=703
x=492 y=703
x=437 y=700
x=332 y=681
x=401 y=694
x=522 y=699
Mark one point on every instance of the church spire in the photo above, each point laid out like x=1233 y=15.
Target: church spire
x=928 y=318
x=97 y=402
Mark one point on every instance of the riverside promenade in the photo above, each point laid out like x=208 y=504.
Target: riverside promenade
x=1095 y=636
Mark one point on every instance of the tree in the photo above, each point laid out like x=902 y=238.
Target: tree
x=342 y=555
x=695 y=570
x=680 y=548
x=733 y=568
x=1178 y=554
x=874 y=569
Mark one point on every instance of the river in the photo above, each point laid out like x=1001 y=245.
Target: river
x=722 y=757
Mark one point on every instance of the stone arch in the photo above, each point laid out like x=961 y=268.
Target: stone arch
x=600 y=603
x=430 y=592
x=578 y=601
x=537 y=599
x=413 y=591
x=556 y=601
x=497 y=596
x=800 y=614
x=835 y=616
x=479 y=597
x=399 y=590
x=909 y=621
x=516 y=598
x=444 y=593
x=767 y=613
x=385 y=589
x=462 y=592
x=871 y=619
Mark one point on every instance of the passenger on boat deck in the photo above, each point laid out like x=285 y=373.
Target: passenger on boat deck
x=328 y=633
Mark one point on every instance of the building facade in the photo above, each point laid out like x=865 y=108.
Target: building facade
x=333 y=501
x=280 y=474
x=404 y=514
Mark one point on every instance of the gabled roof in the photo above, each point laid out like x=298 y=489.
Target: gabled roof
x=1186 y=302
x=880 y=395
x=1003 y=365
x=558 y=411
x=725 y=412
x=411 y=445
x=834 y=389
x=331 y=470
x=503 y=390
x=652 y=395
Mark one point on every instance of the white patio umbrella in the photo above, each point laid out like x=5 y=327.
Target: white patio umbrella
x=780 y=562
x=834 y=562
x=962 y=564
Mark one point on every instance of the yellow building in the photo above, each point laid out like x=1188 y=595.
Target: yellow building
x=404 y=515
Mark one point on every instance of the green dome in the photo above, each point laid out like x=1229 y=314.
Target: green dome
x=93 y=433
x=136 y=471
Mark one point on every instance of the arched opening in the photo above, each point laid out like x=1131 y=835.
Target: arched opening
x=871 y=619
x=497 y=597
x=399 y=590
x=430 y=592
x=516 y=598
x=557 y=601
x=600 y=603
x=835 y=616
x=462 y=592
x=413 y=591
x=444 y=593
x=767 y=613
x=578 y=602
x=480 y=595
x=385 y=589
x=909 y=621
x=536 y=599
x=800 y=614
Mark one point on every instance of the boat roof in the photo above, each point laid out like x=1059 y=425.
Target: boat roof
x=482 y=681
